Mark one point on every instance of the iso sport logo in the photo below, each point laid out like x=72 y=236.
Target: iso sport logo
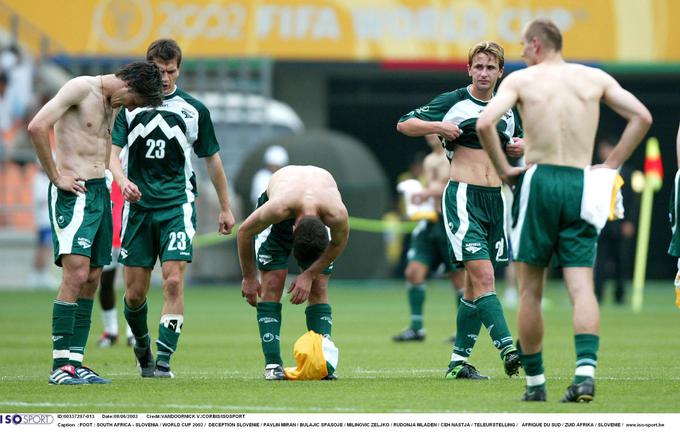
x=27 y=418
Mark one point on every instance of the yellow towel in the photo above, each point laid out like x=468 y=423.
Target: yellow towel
x=315 y=356
x=616 y=202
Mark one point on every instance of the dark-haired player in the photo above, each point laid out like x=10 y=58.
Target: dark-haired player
x=80 y=205
x=301 y=207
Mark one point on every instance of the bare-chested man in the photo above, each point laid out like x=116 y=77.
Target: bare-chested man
x=80 y=204
x=472 y=204
x=301 y=206
x=429 y=247
x=559 y=103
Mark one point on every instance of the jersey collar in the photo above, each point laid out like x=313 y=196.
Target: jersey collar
x=172 y=94
x=482 y=102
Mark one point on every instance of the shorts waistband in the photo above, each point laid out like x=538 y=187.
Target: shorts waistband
x=563 y=168
x=476 y=187
x=95 y=182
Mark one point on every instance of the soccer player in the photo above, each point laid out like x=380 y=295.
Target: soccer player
x=429 y=244
x=559 y=103
x=472 y=204
x=299 y=209
x=80 y=206
x=674 y=248
x=159 y=217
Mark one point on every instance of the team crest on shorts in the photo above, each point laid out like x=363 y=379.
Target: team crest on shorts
x=473 y=247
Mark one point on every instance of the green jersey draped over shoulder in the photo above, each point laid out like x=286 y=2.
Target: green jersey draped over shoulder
x=157 y=144
x=461 y=108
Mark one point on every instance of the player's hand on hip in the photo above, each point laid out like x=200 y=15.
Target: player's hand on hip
x=250 y=290
x=300 y=288
x=71 y=182
x=512 y=175
x=131 y=192
x=226 y=222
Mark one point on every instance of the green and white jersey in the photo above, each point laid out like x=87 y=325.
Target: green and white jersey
x=157 y=145
x=461 y=108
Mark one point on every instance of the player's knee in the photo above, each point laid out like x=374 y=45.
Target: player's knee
x=483 y=281
x=414 y=273
x=134 y=300
x=173 y=284
x=273 y=281
x=76 y=279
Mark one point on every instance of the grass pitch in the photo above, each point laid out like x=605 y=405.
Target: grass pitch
x=219 y=362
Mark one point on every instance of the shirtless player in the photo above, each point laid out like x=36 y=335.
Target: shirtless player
x=80 y=205
x=301 y=206
x=559 y=103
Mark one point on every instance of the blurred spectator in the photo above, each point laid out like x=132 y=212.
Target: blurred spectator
x=275 y=158
x=414 y=171
x=613 y=247
x=41 y=277
x=19 y=68
x=5 y=115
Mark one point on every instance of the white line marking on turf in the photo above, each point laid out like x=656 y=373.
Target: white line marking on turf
x=228 y=407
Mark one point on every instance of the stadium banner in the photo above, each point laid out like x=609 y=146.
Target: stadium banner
x=355 y=30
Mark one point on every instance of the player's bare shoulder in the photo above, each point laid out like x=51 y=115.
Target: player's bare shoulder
x=78 y=88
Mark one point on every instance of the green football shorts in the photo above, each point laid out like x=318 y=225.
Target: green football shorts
x=546 y=216
x=148 y=234
x=474 y=218
x=82 y=223
x=430 y=246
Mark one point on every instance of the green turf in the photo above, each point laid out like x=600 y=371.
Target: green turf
x=219 y=363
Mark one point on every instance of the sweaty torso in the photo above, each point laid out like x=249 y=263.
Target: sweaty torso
x=306 y=188
x=82 y=134
x=560 y=108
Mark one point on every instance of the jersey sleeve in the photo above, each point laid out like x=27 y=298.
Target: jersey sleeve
x=434 y=110
x=519 y=131
x=120 y=130
x=206 y=144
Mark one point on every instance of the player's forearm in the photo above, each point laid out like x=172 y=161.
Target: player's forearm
x=219 y=181
x=492 y=145
x=418 y=127
x=41 y=141
x=116 y=168
x=635 y=131
x=246 y=255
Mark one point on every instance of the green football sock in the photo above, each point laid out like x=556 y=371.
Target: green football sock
x=468 y=326
x=63 y=319
x=533 y=367
x=586 y=356
x=269 y=323
x=491 y=313
x=168 y=335
x=81 y=331
x=416 y=298
x=319 y=319
x=136 y=319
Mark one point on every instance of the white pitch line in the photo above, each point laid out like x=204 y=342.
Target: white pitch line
x=213 y=407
